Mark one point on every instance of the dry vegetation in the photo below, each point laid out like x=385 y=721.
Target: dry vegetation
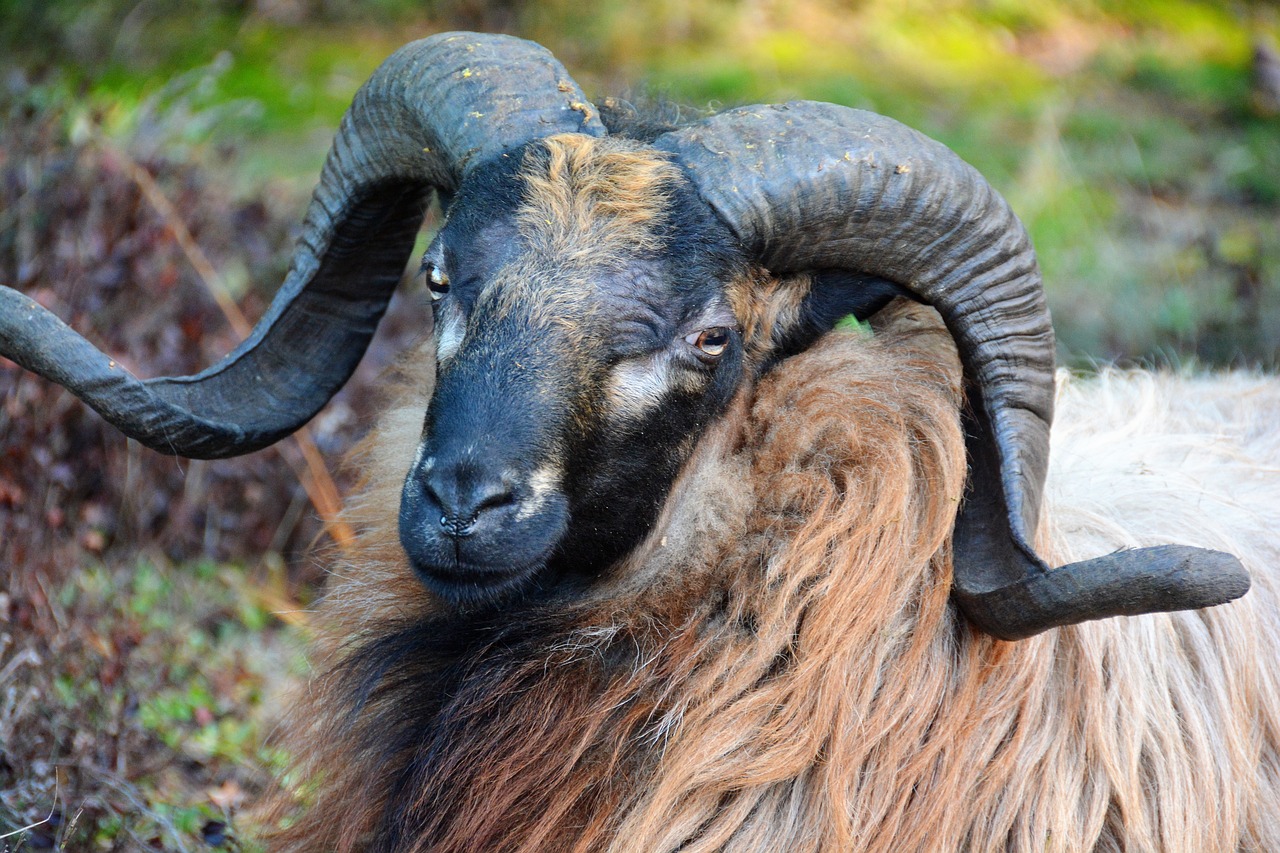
x=137 y=641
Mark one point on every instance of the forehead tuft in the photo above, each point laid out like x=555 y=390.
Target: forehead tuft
x=614 y=191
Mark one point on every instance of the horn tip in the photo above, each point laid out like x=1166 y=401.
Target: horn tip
x=1159 y=579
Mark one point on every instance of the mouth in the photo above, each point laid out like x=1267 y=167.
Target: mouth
x=469 y=586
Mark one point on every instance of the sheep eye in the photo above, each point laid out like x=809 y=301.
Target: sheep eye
x=711 y=343
x=437 y=282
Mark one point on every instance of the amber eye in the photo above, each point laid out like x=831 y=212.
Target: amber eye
x=711 y=343
x=437 y=282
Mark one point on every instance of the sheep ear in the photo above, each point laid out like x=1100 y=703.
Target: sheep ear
x=833 y=295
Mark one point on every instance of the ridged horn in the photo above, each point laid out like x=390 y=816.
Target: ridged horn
x=432 y=111
x=809 y=186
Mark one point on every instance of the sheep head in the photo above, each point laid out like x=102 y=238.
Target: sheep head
x=601 y=301
x=584 y=338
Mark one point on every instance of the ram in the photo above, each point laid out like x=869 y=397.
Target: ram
x=671 y=568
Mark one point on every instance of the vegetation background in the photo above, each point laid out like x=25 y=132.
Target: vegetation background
x=156 y=157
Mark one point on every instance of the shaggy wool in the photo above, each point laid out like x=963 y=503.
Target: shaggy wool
x=779 y=666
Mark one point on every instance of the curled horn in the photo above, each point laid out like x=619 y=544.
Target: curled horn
x=810 y=187
x=434 y=110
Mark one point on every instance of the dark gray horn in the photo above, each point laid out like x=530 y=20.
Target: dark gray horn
x=433 y=110
x=809 y=187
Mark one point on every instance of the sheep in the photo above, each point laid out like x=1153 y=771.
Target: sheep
x=778 y=667
x=613 y=313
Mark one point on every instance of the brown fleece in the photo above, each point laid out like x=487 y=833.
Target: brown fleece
x=779 y=668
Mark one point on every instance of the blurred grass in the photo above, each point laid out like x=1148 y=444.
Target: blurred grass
x=1124 y=132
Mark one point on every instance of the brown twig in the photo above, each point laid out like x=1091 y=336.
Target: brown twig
x=313 y=474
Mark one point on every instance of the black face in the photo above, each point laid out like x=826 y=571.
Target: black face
x=584 y=343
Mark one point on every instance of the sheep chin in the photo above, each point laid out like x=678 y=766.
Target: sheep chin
x=472 y=589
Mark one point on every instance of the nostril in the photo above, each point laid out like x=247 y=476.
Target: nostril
x=499 y=493
x=432 y=492
x=463 y=493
